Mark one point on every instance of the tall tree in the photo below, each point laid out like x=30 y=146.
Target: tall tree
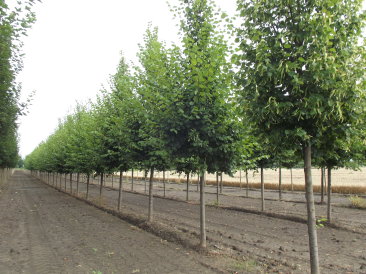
x=202 y=125
x=301 y=71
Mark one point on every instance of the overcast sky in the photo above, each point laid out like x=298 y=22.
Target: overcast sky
x=73 y=48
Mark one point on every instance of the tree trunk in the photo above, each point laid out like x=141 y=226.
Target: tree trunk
x=60 y=180
x=187 y=188
x=70 y=183
x=132 y=180
x=150 y=216
x=112 y=179
x=217 y=188
x=262 y=188
x=77 y=183
x=247 y=181
x=279 y=184
x=292 y=182
x=240 y=179
x=65 y=180
x=329 y=194
x=322 y=170
x=164 y=186
x=202 y=210
x=101 y=188
x=145 y=179
x=198 y=181
x=311 y=220
x=120 y=189
x=221 y=184
x=87 y=185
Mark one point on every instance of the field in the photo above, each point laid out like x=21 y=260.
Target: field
x=241 y=239
x=344 y=181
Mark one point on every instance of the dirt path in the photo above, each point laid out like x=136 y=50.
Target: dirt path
x=275 y=244
x=45 y=231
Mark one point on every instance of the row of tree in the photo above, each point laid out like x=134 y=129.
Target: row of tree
x=293 y=89
x=13 y=25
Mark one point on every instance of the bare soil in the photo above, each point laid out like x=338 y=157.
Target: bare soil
x=275 y=241
x=45 y=231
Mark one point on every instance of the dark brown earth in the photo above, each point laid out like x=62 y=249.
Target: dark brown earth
x=257 y=242
x=45 y=231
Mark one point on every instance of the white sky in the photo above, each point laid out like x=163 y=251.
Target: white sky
x=73 y=48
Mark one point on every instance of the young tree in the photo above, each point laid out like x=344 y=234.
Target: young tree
x=301 y=70
x=201 y=122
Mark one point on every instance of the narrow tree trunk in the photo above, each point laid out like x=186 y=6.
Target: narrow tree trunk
x=150 y=216
x=164 y=186
x=311 y=220
x=60 y=180
x=262 y=188
x=70 y=183
x=187 y=188
x=77 y=183
x=202 y=210
x=120 y=189
x=198 y=181
x=240 y=179
x=217 y=187
x=247 y=181
x=279 y=184
x=65 y=181
x=322 y=170
x=87 y=185
x=53 y=178
x=292 y=182
x=145 y=180
x=329 y=194
x=132 y=179
x=101 y=188
x=221 y=185
x=112 y=179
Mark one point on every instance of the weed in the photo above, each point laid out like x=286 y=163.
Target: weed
x=321 y=222
x=247 y=266
x=357 y=202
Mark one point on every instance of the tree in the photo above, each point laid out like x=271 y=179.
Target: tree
x=13 y=26
x=301 y=72
x=202 y=123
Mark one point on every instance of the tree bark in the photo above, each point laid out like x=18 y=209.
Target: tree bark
x=65 y=181
x=247 y=181
x=187 y=188
x=150 y=216
x=164 y=185
x=322 y=170
x=262 y=188
x=70 y=183
x=112 y=179
x=77 y=183
x=101 y=188
x=120 y=189
x=198 y=181
x=87 y=185
x=145 y=179
x=240 y=179
x=217 y=188
x=329 y=194
x=202 y=210
x=221 y=185
x=292 y=183
x=132 y=179
x=279 y=183
x=311 y=219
